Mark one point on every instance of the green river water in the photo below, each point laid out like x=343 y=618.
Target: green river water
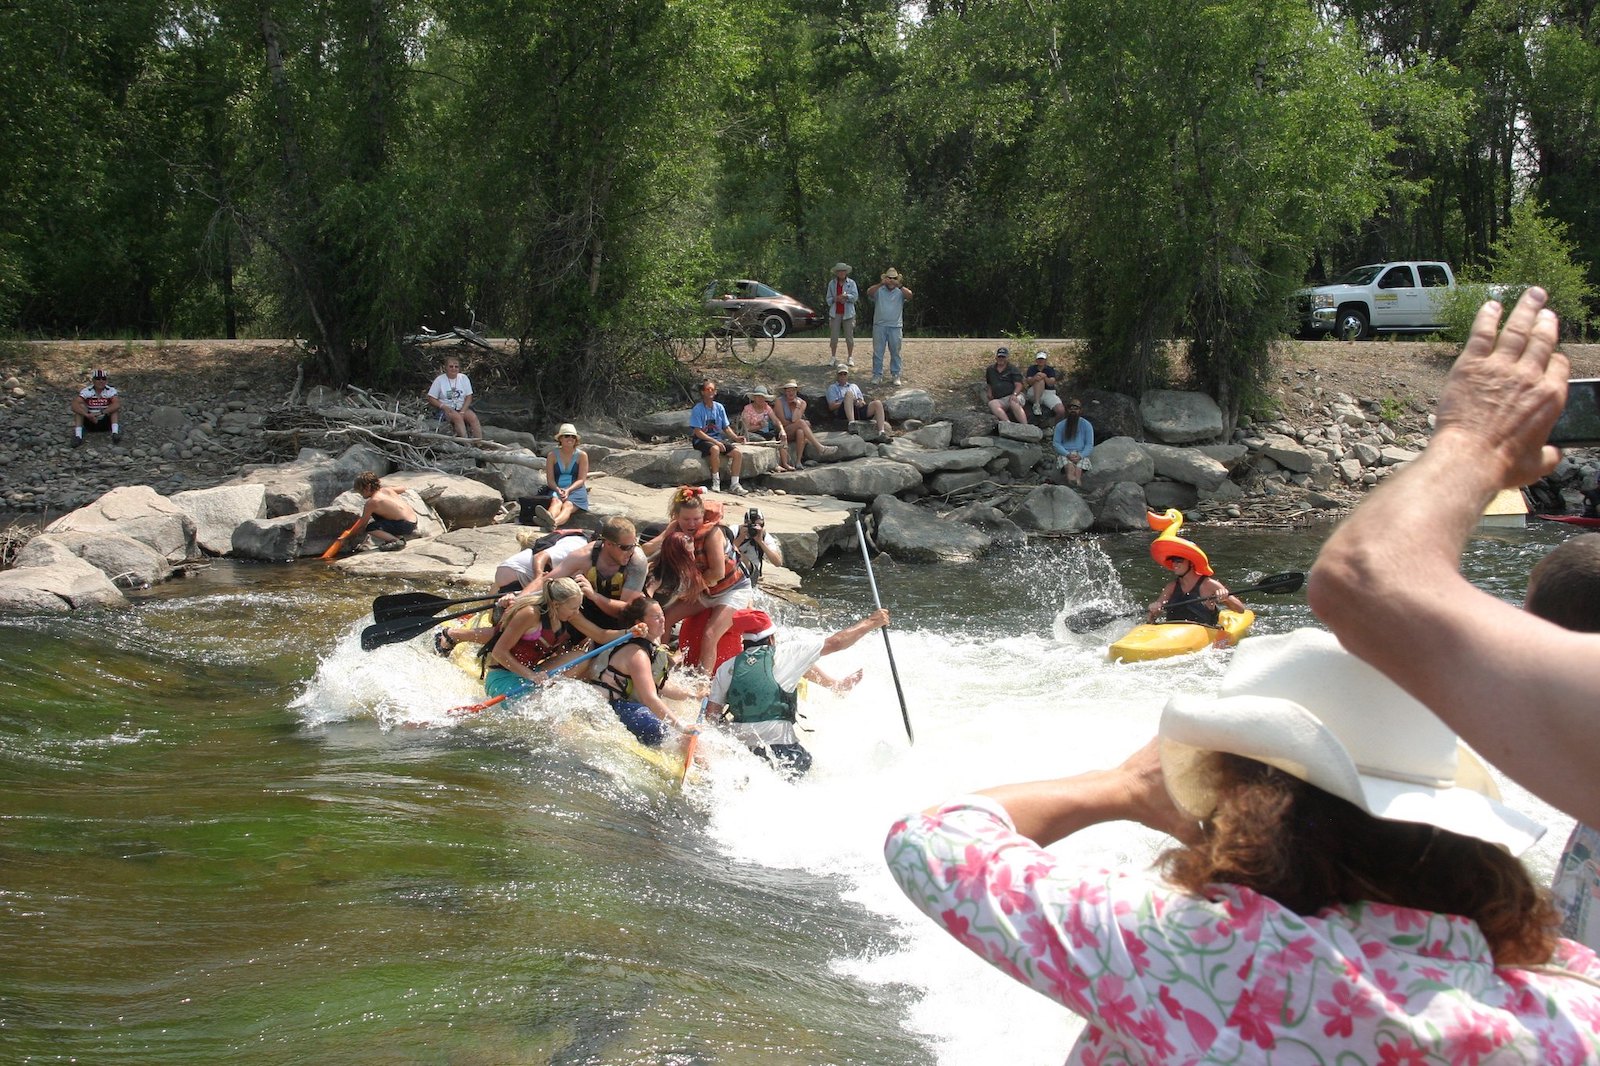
x=220 y=842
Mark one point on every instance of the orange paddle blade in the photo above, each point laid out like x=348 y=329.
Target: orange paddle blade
x=337 y=546
x=473 y=708
x=688 y=758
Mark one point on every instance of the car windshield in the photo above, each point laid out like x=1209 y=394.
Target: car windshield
x=1361 y=275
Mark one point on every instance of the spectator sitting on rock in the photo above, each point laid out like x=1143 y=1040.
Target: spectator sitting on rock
x=791 y=410
x=95 y=409
x=566 y=478
x=1003 y=385
x=389 y=518
x=713 y=437
x=1073 y=441
x=846 y=402
x=1040 y=382
x=451 y=396
x=761 y=422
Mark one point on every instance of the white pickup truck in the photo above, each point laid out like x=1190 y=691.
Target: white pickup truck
x=1377 y=298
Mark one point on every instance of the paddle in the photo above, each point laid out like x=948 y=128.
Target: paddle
x=398 y=630
x=690 y=744
x=529 y=684
x=400 y=604
x=1095 y=617
x=861 y=537
x=338 y=545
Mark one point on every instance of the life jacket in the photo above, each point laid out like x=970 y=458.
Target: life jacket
x=609 y=587
x=754 y=695
x=1191 y=606
x=734 y=570
x=618 y=685
x=535 y=647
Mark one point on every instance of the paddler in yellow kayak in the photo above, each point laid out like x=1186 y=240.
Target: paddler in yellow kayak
x=1194 y=594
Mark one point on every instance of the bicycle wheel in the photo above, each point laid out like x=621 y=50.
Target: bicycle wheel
x=751 y=347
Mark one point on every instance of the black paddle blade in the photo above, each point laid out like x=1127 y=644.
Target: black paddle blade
x=399 y=630
x=1276 y=583
x=1089 y=618
x=402 y=604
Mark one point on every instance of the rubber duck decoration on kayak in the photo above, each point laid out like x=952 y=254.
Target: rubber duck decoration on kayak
x=1169 y=546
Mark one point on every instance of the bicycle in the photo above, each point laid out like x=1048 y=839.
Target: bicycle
x=734 y=336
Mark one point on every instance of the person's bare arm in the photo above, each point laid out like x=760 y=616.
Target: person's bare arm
x=637 y=667
x=716 y=558
x=1388 y=582
x=844 y=638
x=1217 y=594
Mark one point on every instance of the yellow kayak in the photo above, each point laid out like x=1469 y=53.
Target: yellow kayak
x=1161 y=640
x=465 y=656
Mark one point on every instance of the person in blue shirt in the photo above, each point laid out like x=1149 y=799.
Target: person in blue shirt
x=713 y=438
x=1073 y=441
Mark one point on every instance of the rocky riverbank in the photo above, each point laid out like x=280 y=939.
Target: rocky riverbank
x=276 y=462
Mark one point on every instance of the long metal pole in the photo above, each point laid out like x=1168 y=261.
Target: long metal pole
x=861 y=537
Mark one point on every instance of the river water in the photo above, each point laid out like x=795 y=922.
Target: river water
x=228 y=834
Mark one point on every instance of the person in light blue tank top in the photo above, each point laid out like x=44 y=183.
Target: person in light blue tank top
x=566 y=475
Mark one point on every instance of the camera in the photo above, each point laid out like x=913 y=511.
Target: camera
x=753 y=517
x=1579 y=424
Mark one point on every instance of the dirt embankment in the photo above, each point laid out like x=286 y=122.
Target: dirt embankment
x=39 y=472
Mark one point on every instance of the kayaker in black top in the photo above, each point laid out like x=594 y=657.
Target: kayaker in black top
x=1192 y=596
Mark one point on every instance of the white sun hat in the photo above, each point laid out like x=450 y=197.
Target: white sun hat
x=1303 y=704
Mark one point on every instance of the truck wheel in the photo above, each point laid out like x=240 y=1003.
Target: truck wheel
x=1351 y=324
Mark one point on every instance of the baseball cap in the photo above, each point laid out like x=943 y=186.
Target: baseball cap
x=1002 y=350
x=101 y=375
x=1041 y=355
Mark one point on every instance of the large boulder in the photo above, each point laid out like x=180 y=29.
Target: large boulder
x=136 y=511
x=989 y=518
x=1022 y=431
x=1161 y=494
x=966 y=423
x=1116 y=460
x=849 y=446
x=1285 y=451
x=858 y=479
x=275 y=540
x=1019 y=457
x=1122 y=509
x=1053 y=509
x=1174 y=417
x=1110 y=413
x=907 y=403
x=458 y=501
x=313 y=479
x=929 y=462
x=935 y=436
x=955 y=481
x=1189 y=465
x=217 y=512
x=515 y=480
x=69 y=584
x=662 y=424
x=907 y=531
x=128 y=563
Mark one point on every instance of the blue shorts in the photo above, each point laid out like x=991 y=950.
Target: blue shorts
x=502 y=682
x=641 y=722
x=395 y=527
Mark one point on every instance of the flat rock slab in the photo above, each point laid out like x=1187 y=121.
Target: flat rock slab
x=858 y=479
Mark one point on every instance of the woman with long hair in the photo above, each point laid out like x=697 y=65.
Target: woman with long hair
x=1346 y=890
x=724 y=588
x=540 y=630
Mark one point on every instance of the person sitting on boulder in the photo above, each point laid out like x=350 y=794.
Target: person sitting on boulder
x=389 y=518
x=761 y=422
x=451 y=396
x=1073 y=441
x=713 y=437
x=1002 y=383
x=846 y=402
x=791 y=408
x=96 y=410
x=566 y=477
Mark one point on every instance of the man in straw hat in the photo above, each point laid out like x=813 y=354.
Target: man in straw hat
x=888 y=298
x=1388 y=581
x=840 y=298
x=1346 y=887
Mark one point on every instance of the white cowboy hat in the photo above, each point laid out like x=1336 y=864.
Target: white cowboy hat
x=891 y=273
x=1303 y=704
x=842 y=266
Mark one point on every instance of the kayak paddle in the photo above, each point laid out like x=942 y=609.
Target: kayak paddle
x=399 y=630
x=338 y=545
x=400 y=604
x=1095 y=617
x=861 y=537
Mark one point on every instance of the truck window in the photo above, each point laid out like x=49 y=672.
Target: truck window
x=1399 y=277
x=1433 y=275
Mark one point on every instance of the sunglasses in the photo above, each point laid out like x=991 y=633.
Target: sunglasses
x=625 y=547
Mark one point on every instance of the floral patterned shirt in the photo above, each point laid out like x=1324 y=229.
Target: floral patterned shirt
x=1164 y=976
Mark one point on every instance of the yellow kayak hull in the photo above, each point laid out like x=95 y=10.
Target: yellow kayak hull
x=1162 y=640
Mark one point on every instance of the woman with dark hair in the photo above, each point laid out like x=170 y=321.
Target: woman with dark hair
x=1346 y=890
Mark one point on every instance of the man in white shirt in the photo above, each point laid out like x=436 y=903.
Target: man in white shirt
x=755 y=690
x=451 y=396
